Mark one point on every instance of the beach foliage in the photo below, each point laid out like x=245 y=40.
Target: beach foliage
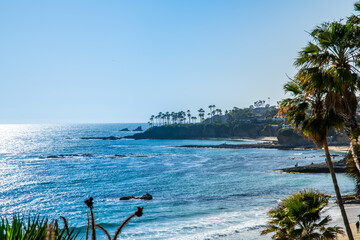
x=36 y=228
x=299 y=217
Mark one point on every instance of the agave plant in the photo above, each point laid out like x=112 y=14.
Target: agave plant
x=34 y=229
x=89 y=204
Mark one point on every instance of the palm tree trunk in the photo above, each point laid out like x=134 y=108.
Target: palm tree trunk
x=337 y=191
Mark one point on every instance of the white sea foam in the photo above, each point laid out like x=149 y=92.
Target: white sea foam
x=240 y=225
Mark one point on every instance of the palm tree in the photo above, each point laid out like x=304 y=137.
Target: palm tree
x=299 y=217
x=210 y=114
x=335 y=49
x=167 y=116
x=159 y=117
x=173 y=117
x=188 y=115
x=152 y=120
x=308 y=113
x=156 y=119
x=201 y=114
x=212 y=111
x=193 y=119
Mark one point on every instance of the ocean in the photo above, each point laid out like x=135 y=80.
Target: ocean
x=200 y=194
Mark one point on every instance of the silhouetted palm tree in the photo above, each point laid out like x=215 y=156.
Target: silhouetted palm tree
x=307 y=112
x=201 y=114
x=188 y=115
x=335 y=49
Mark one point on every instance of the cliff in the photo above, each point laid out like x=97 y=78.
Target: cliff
x=214 y=130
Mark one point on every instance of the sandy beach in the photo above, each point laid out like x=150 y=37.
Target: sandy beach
x=343 y=149
x=352 y=210
x=354 y=231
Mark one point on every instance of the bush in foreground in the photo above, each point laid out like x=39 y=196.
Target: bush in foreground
x=299 y=217
x=41 y=229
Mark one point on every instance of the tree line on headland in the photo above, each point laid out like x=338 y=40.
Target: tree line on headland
x=214 y=115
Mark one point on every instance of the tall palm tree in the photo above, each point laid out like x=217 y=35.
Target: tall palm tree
x=167 y=116
x=152 y=120
x=188 y=115
x=334 y=48
x=159 y=117
x=201 y=114
x=307 y=111
x=173 y=117
x=299 y=217
x=193 y=119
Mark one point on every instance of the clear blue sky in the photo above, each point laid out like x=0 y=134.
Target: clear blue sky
x=122 y=61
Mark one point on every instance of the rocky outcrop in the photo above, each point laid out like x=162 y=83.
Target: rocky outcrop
x=340 y=139
x=269 y=130
x=245 y=146
x=138 y=129
x=290 y=137
x=339 y=167
x=125 y=130
x=127 y=198
x=199 y=131
x=102 y=138
x=146 y=197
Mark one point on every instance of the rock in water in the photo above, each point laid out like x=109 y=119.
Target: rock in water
x=125 y=130
x=138 y=129
x=127 y=198
x=146 y=197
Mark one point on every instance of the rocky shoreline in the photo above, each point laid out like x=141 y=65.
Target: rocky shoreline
x=339 y=167
x=270 y=145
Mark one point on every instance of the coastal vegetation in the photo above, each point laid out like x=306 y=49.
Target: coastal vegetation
x=324 y=91
x=251 y=122
x=37 y=228
x=299 y=217
x=208 y=130
x=307 y=112
x=257 y=112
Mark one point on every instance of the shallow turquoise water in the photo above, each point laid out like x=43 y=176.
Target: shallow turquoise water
x=198 y=193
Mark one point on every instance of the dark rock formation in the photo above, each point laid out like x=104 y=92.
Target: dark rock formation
x=339 y=167
x=127 y=198
x=69 y=155
x=269 y=131
x=125 y=130
x=200 y=131
x=243 y=146
x=339 y=139
x=290 y=137
x=102 y=138
x=146 y=197
x=350 y=199
x=138 y=129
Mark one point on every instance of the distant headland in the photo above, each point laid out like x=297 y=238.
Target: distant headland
x=257 y=121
